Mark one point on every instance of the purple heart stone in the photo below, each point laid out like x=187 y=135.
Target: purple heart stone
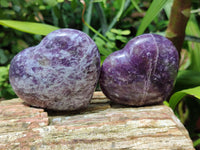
x=60 y=73
x=142 y=73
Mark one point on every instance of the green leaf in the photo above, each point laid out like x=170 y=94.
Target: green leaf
x=104 y=3
x=166 y=103
x=102 y=17
x=118 y=15
x=110 y=36
x=4 y=74
x=120 y=32
x=155 y=7
x=51 y=3
x=196 y=143
x=88 y=17
x=60 y=1
x=3 y=57
x=168 y=7
x=74 y=4
x=187 y=79
x=110 y=45
x=29 y=27
x=176 y=97
x=104 y=51
x=4 y=3
x=122 y=38
x=125 y=32
x=117 y=4
x=101 y=46
x=99 y=41
x=194 y=48
x=134 y=3
x=102 y=59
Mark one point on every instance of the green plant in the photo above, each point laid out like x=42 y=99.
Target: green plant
x=5 y=88
x=114 y=36
x=106 y=21
x=29 y=27
x=186 y=100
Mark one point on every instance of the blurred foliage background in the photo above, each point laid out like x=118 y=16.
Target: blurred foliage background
x=100 y=14
x=111 y=24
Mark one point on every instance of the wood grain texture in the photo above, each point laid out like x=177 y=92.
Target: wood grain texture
x=101 y=126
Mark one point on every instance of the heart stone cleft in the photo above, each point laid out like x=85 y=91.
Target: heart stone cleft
x=60 y=73
x=142 y=73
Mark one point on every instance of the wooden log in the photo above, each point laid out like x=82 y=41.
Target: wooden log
x=98 y=127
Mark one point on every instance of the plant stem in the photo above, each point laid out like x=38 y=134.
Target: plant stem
x=90 y=27
x=134 y=3
x=180 y=14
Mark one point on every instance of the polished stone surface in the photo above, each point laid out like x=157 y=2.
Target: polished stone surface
x=142 y=73
x=60 y=73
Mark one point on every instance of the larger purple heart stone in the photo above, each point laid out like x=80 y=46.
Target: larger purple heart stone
x=60 y=73
x=142 y=73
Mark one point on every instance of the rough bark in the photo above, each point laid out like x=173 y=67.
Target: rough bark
x=180 y=14
x=101 y=126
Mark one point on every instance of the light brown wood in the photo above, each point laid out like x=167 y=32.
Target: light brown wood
x=98 y=127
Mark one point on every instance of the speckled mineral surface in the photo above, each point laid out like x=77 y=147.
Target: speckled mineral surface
x=60 y=73
x=142 y=73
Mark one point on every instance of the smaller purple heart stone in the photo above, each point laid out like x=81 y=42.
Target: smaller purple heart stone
x=142 y=73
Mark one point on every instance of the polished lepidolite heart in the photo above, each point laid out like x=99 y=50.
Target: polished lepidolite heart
x=142 y=73
x=60 y=73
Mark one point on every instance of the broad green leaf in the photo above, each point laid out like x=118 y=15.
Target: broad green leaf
x=155 y=7
x=196 y=143
x=187 y=79
x=176 y=97
x=29 y=27
x=194 y=48
x=4 y=3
